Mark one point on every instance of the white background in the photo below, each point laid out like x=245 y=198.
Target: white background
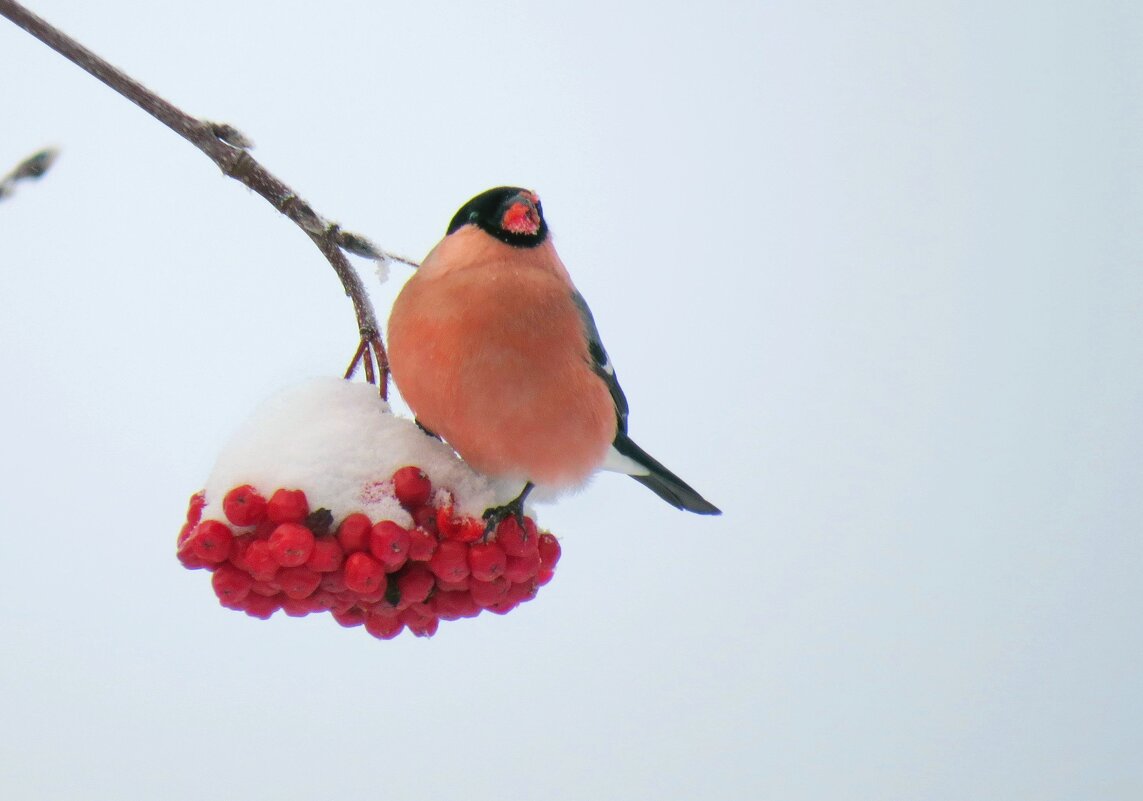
x=872 y=276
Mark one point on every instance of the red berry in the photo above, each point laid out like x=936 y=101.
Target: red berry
x=364 y=574
x=445 y=605
x=260 y=562
x=421 y=625
x=287 y=506
x=487 y=593
x=237 y=556
x=422 y=544
x=515 y=539
x=324 y=601
x=343 y=602
x=383 y=626
x=263 y=530
x=184 y=534
x=326 y=555
x=454 y=605
x=415 y=583
x=520 y=592
x=450 y=562
x=425 y=519
x=296 y=607
x=210 y=541
x=460 y=585
x=486 y=560
x=260 y=606
x=333 y=582
x=549 y=551
x=372 y=598
x=446 y=525
x=549 y=556
x=389 y=542
x=244 y=506
x=461 y=529
x=230 y=584
x=522 y=568
x=187 y=555
x=353 y=533
x=266 y=588
x=297 y=582
x=412 y=487
x=502 y=607
x=423 y=609
x=350 y=617
x=471 y=530
x=291 y=544
x=194 y=508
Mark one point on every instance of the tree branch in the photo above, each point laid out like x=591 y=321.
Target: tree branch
x=228 y=149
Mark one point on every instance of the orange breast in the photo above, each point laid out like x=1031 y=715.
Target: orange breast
x=495 y=362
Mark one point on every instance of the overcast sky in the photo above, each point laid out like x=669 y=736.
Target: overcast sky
x=872 y=278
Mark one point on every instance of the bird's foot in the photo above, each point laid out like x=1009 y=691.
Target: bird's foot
x=495 y=515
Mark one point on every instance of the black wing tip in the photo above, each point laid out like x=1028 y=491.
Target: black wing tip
x=678 y=494
x=662 y=481
x=704 y=507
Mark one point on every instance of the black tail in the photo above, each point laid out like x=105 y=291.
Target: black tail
x=663 y=482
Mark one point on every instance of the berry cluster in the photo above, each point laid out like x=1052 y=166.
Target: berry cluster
x=276 y=554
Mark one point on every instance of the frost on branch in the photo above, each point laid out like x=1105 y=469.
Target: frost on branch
x=326 y=502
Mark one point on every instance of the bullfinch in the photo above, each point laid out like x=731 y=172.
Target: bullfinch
x=495 y=351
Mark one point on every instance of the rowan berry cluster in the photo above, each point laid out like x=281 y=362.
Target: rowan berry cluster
x=276 y=554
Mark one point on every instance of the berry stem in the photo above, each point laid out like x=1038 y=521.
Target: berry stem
x=229 y=150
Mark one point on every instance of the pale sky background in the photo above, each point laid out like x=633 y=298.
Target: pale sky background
x=872 y=277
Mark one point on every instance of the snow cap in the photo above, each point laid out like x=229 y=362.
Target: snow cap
x=339 y=442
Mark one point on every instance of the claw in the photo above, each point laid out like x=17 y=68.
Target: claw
x=515 y=508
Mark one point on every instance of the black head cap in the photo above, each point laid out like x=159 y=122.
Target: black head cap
x=509 y=213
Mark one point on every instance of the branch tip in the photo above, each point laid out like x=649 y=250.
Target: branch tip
x=37 y=164
x=30 y=169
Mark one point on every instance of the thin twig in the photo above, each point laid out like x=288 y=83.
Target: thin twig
x=228 y=148
x=382 y=365
x=367 y=351
x=370 y=376
x=30 y=169
x=361 y=346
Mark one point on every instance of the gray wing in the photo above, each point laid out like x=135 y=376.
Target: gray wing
x=601 y=362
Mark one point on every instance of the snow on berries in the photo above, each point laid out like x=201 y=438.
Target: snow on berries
x=325 y=503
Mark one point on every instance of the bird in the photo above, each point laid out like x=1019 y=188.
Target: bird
x=495 y=350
